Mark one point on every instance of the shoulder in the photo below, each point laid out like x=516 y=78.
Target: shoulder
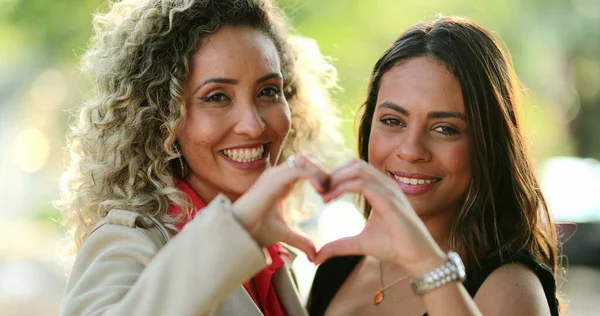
x=512 y=289
x=125 y=230
x=110 y=234
x=111 y=249
x=109 y=238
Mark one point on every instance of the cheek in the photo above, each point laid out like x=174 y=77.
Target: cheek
x=196 y=144
x=457 y=161
x=381 y=146
x=201 y=133
x=279 y=120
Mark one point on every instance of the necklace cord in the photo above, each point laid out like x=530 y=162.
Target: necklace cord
x=383 y=288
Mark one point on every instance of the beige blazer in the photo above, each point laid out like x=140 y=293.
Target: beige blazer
x=121 y=268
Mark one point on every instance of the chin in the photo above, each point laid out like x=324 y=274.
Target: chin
x=422 y=209
x=242 y=185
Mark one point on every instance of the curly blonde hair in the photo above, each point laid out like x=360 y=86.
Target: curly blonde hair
x=122 y=146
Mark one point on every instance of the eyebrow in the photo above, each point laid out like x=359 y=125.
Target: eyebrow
x=215 y=80
x=430 y=115
x=269 y=76
x=234 y=81
x=394 y=107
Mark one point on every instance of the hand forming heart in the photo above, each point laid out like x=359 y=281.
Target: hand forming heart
x=259 y=211
x=393 y=232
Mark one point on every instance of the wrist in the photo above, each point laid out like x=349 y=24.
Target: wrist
x=450 y=271
x=251 y=227
x=427 y=264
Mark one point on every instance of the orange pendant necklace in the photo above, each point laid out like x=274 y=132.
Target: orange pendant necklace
x=378 y=298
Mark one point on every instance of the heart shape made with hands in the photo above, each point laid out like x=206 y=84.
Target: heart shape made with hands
x=393 y=231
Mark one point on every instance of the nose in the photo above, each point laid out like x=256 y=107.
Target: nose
x=413 y=147
x=250 y=122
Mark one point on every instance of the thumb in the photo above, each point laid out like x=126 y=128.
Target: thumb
x=341 y=247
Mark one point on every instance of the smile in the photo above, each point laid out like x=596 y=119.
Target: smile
x=414 y=184
x=414 y=181
x=245 y=154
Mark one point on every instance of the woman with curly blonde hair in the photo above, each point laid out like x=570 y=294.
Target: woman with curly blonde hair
x=175 y=185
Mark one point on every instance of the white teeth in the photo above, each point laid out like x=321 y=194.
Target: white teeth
x=246 y=154
x=413 y=181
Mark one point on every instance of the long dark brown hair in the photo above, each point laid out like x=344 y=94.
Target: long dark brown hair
x=504 y=209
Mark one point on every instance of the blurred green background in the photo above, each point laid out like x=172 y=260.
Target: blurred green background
x=555 y=45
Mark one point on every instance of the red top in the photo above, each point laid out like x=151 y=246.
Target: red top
x=267 y=299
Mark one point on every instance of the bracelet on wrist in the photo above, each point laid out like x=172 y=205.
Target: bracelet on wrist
x=452 y=270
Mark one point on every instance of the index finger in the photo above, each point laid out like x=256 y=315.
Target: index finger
x=318 y=176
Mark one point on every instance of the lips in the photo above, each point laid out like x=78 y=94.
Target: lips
x=414 y=183
x=247 y=154
x=414 y=178
x=248 y=157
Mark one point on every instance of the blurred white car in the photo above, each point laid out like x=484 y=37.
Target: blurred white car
x=571 y=186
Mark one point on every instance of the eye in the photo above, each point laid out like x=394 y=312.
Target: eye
x=215 y=97
x=392 y=121
x=446 y=130
x=270 y=93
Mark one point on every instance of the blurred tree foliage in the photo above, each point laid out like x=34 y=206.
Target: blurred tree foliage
x=53 y=31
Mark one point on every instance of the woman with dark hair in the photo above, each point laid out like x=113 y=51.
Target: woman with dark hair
x=445 y=176
x=176 y=179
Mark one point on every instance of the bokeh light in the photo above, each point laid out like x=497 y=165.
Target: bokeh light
x=31 y=149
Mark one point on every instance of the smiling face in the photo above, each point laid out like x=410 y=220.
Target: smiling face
x=237 y=116
x=419 y=135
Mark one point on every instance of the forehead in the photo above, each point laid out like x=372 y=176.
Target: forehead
x=421 y=83
x=236 y=48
